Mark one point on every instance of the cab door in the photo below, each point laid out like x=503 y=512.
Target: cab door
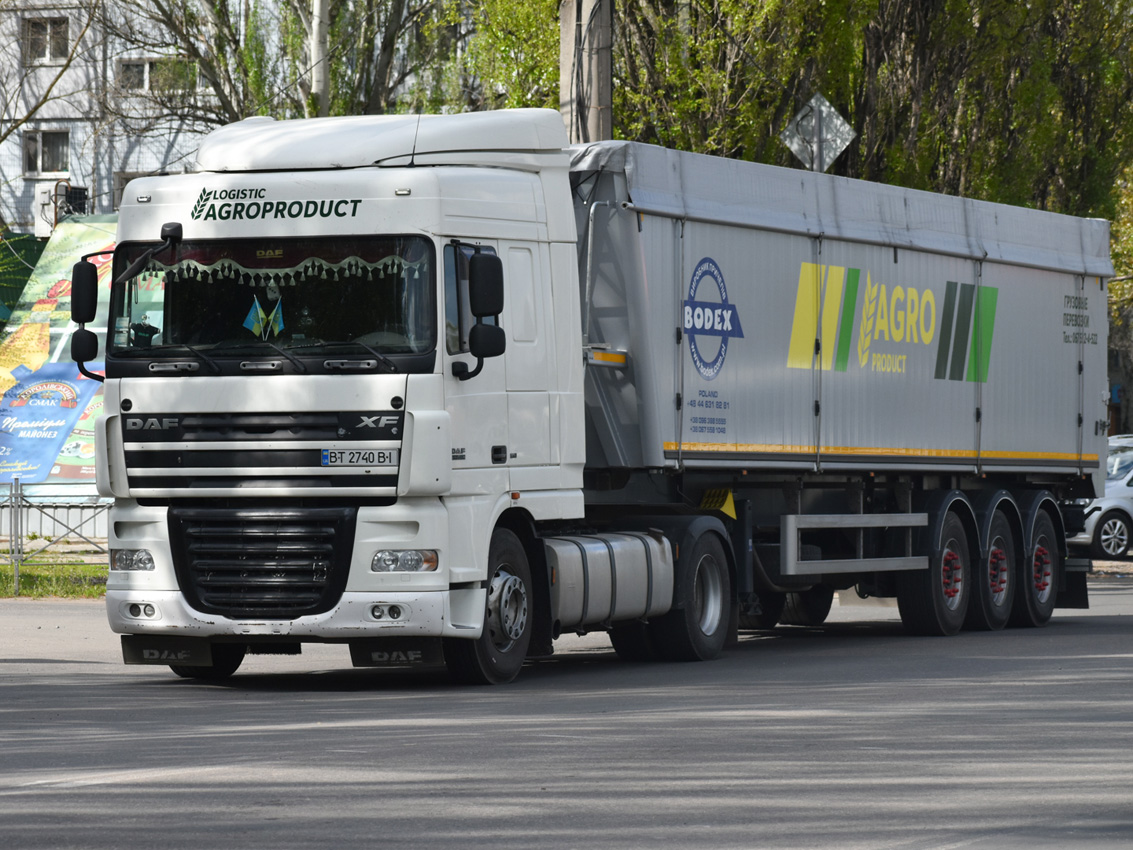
x=529 y=362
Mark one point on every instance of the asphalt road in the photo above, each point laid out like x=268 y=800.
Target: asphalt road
x=853 y=736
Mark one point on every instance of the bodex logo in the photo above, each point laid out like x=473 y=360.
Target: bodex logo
x=709 y=320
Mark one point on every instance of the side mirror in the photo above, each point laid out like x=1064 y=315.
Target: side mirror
x=486 y=341
x=485 y=285
x=84 y=292
x=84 y=348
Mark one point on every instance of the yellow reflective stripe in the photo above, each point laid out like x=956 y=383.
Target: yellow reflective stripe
x=850 y=451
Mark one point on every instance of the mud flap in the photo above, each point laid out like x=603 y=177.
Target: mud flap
x=162 y=649
x=397 y=652
x=1073 y=592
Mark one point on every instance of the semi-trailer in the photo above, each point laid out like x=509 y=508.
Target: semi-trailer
x=443 y=388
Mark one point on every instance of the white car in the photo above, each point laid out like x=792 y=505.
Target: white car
x=1109 y=519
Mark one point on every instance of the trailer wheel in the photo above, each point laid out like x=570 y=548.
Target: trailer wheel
x=1036 y=591
x=497 y=655
x=770 y=610
x=632 y=642
x=993 y=577
x=935 y=601
x=697 y=630
x=808 y=607
x=226 y=660
x=1111 y=537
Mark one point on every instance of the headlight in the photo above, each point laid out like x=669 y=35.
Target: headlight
x=404 y=561
x=133 y=560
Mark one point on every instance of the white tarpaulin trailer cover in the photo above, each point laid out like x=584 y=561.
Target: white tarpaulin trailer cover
x=827 y=323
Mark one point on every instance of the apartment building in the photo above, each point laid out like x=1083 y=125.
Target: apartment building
x=64 y=145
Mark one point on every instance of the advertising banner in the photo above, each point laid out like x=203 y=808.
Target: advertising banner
x=47 y=409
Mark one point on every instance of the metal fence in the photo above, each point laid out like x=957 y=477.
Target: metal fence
x=54 y=523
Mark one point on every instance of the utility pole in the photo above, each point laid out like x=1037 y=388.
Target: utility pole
x=586 y=69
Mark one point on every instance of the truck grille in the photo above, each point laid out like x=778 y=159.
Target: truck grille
x=262 y=563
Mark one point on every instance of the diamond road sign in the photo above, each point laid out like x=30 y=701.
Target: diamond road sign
x=818 y=134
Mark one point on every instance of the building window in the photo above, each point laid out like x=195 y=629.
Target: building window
x=45 y=39
x=170 y=74
x=46 y=152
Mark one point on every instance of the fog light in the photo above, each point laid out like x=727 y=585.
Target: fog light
x=377 y=612
x=394 y=612
x=149 y=610
x=404 y=561
x=131 y=560
x=135 y=610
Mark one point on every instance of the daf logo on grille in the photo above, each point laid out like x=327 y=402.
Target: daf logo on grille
x=370 y=425
x=137 y=423
x=378 y=422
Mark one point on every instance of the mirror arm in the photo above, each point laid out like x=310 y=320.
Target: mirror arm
x=94 y=376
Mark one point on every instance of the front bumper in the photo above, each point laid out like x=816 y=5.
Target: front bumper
x=447 y=613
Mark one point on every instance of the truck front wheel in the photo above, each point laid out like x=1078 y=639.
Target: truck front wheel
x=696 y=631
x=226 y=660
x=497 y=655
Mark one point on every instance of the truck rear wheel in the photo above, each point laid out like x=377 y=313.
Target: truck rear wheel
x=226 y=660
x=935 y=601
x=498 y=654
x=994 y=578
x=697 y=630
x=1036 y=591
x=770 y=610
x=808 y=607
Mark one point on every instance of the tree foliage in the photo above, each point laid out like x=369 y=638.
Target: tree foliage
x=1018 y=103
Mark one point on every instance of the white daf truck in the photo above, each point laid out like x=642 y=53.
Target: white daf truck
x=442 y=388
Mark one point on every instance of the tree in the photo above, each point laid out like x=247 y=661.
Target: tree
x=1019 y=103
x=283 y=58
x=512 y=58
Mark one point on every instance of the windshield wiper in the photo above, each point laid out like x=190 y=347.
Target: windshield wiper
x=385 y=361
x=196 y=352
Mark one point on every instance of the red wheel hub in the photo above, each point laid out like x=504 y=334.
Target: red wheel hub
x=1041 y=568
x=997 y=570
x=952 y=571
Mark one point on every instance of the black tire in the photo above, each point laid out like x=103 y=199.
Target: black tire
x=935 y=601
x=226 y=660
x=632 y=642
x=498 y=654
x=1112 y=536
x=1036 y=589
x=808 y=607
x=994 y=579
x=770 y=610
x=697 y=630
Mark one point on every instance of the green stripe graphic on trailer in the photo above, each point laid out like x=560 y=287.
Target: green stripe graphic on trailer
x=967 y=329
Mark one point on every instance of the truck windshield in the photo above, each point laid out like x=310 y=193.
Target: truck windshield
x=296 y=293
